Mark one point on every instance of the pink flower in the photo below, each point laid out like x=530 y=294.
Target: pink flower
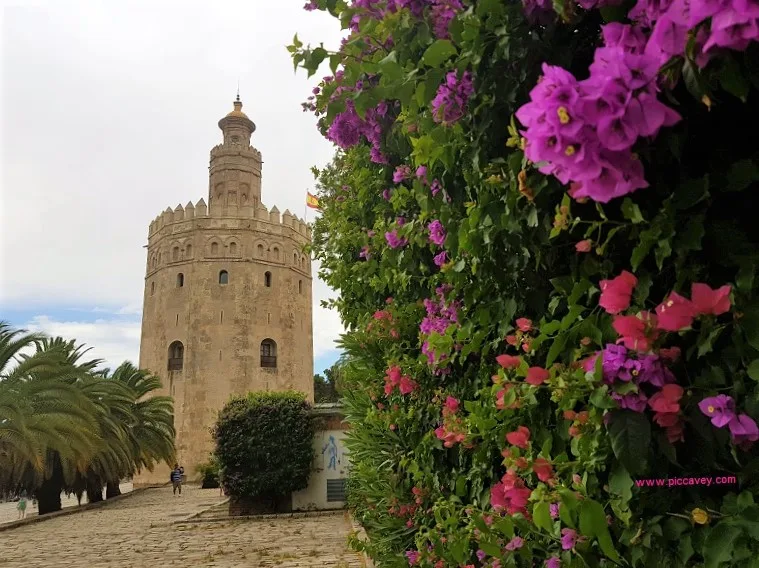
x=667 y=399
x=543 y=469
x=616 y=293
x=511 y=339
x=584 y=246
x=407 y=385
x=519 y=438
x=568 y=539
x=670 y=353
x=536 y=376
x=553 y=562
x=710 y=302
x=524 y=325
x=515 y=543
x=451 y=404
x=675 y=313
x=636 y=332
x=508 y=361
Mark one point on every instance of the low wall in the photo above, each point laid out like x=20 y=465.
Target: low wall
x=326 y=486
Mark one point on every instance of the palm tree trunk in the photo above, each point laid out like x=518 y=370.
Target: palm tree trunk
x=112 y=489
x=49 y=493
x=94 y=491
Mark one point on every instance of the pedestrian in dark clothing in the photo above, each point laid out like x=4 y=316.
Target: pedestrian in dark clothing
x=176 y=478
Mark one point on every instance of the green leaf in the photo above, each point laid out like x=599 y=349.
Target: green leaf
x=732 y=80
x=601 y=399
x=459 y=266
x=741 y=174
x=461 y=486
x=542 y=516
x=556 y=348
x=718 y=546
x=593 y=524
x=753 y=370
x=630 y=435
x=438 y=52
x=631 y=211
x=490 y=548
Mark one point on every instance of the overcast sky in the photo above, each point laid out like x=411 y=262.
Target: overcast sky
x=109 y=111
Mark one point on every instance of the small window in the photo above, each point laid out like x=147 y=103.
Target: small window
x=214 y=248
x=152 y=288
x=300 y=286
x=176 y=356
x=267 y=279
x=175 y=254
x=180 y=280
x=260 y=250
x=276 y=253
x=233 y=249
x=223 y=277
x=295 y=258
x=269 y=354
x=188 y=251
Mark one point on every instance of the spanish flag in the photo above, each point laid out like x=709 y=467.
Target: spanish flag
x=312 y=201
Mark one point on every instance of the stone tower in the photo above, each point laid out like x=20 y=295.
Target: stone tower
x=227 y=306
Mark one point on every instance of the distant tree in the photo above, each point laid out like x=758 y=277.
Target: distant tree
x=324 y=390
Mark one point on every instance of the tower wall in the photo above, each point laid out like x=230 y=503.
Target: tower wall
x=221 y=326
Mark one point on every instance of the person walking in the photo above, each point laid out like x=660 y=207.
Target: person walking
x=22 y=507
x=176 y=478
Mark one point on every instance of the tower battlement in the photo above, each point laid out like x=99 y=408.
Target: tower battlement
x=179 y=215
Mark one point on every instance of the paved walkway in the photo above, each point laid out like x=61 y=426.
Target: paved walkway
x=9 y=511
x=135 y=532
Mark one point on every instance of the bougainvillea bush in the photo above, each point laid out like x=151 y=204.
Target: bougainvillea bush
x=541 y=220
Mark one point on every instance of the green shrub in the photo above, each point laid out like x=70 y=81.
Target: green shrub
x=209 y=473
x=264 y=444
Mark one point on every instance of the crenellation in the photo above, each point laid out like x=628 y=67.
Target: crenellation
x=189 y=210
x=274 y=215
x=262 y=212
x=179 y=213
x=201 y=209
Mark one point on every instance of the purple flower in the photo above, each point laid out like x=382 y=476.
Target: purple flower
x=539 y=11
x=401 y=174
x=421 y=172
x=568 y=539
x=631 y=401
x=553 y=562
x=743 y=429
x=345 y=130
x=554 y=508
x=735 y=26
x=365 y=253
x=437 y=232
x=370 y=233
x=394 y=241
x=386 y=193
x=400 y=221
x=720 y=409
x=443 y=11
x=412 y=556
x=451 y=99
x=311 y=6
x=440 y=259
x=435 y=187
x=481 y=555
x=515 y=543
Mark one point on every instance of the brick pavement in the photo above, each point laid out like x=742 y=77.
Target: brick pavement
x=138 y=532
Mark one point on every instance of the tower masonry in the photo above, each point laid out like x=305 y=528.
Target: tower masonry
x=227 y=304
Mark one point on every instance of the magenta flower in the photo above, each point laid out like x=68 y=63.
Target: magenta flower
x=435 y=187
x=553 y=562
x=437 y=232
x=440 y=259
x=515 y=543
x=413 y=557
x=443 y=11
x=554 y=509
x=394 y=241
x=365 y=253
x=401 y=174
x=421 y=172
x=449 y=105
x=568 y=539
x=744 y=429
x=720 y=409
x=386 y=193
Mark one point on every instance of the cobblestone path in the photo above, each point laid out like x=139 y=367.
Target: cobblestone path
x=136 y=532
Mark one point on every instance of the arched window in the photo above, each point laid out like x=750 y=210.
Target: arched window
x=152 y=288
x=214 y=248
x=260 y=250
x=175 y=254
x=276 y=253
x=267 y=279
x=223 y=277
x=233 y=249
x=295 y=258
x=300 y=286
x=180 y=280
x=188 y=251
x=269 y=354
x=176 y=356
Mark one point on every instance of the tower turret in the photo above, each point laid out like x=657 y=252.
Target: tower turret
x=235 y=169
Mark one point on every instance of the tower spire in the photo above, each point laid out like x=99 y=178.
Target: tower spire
x=238 y=90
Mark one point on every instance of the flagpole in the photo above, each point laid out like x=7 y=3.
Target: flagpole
x=305 y=208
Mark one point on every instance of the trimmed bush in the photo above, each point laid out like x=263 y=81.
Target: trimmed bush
x=264 y=447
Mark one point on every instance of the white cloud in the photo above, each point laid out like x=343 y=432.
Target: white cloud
x=109 y=111
x=114 y=341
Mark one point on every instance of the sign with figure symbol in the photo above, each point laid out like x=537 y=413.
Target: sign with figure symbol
x=331 y=448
